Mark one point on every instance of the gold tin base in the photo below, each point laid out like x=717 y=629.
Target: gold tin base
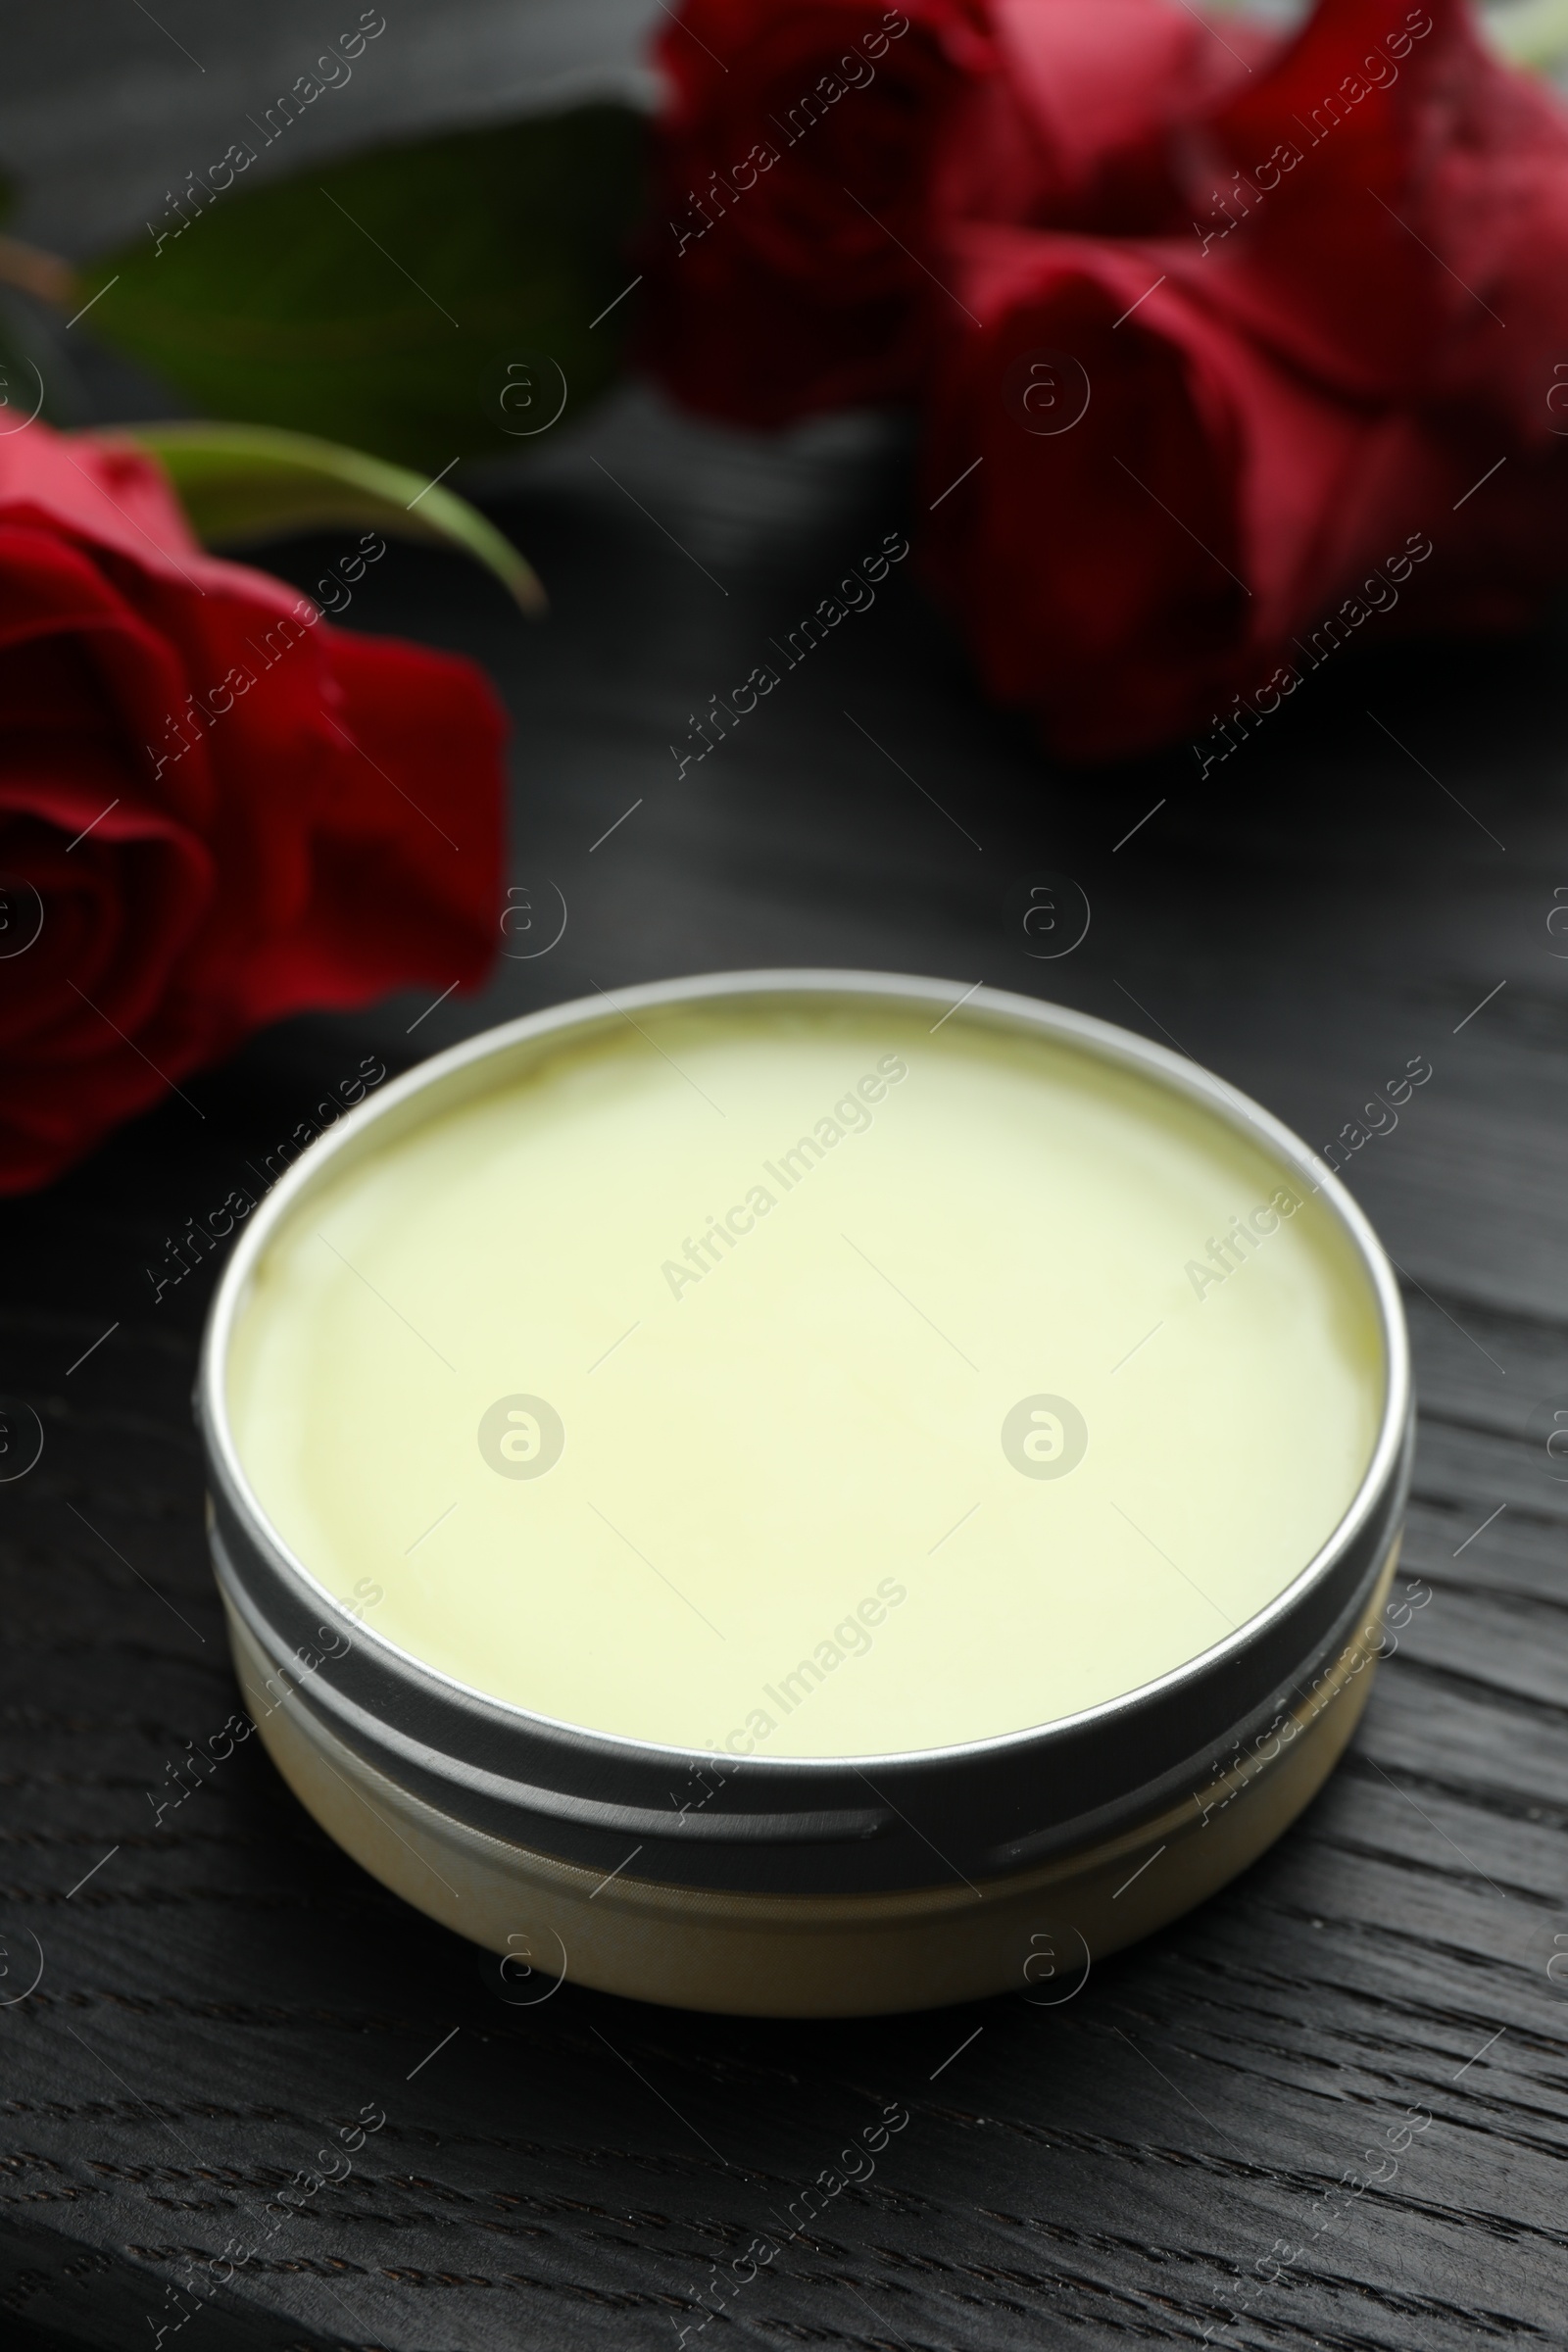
x=1036 y=1933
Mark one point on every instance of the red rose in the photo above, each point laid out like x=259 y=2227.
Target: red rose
x=1277 y=407
x=812 y=154
x=214 y=808
x=791 y=204
x=1154 y=505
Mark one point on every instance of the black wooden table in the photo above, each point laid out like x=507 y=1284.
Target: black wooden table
x=1179 y=2147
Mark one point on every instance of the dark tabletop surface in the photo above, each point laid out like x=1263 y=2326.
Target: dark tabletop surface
x=1370 y=879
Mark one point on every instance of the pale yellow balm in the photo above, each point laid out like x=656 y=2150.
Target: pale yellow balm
x=808 y=1382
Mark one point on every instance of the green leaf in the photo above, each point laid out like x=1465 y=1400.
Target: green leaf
x=253 y=481
x=380 y=301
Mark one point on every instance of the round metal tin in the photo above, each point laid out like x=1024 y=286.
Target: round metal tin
x=795 y=1828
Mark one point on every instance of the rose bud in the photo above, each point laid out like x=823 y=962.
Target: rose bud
x=791 y=211
x=1138 y=514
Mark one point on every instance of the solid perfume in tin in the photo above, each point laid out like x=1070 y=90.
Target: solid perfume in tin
x=799 y=1493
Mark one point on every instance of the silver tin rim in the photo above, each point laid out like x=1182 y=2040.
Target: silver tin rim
x=800 y=1824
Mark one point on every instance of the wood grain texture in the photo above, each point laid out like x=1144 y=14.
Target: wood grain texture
x=225 y=1990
